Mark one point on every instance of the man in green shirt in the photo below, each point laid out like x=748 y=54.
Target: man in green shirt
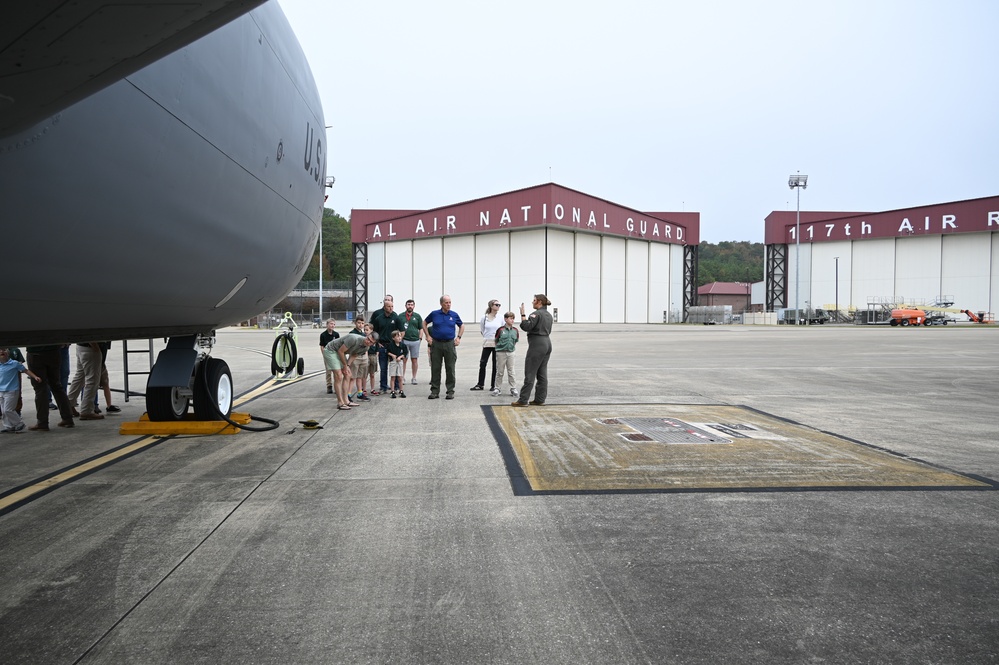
x=413 y=336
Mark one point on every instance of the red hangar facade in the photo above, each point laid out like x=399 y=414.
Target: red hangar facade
x=597 y=261
x=861 y=259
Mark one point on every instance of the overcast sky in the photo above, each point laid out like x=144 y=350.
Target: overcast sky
x=659 y=105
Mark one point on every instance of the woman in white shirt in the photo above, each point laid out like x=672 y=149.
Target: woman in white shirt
x=490 y=323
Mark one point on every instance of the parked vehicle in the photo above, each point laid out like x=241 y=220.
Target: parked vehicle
x=907 y=317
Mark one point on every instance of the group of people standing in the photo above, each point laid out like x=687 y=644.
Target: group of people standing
x=48 y=368
x=395 y=340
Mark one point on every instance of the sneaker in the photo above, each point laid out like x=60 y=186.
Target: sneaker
x=449 y=396
x=19 y=428
x=7 y=430
x=39 y=428
x=97 y=410
x=476 y=388
x=393 y=394
x=433 y=396
x=329 y=390
x=375 y=392
x=514 y=392
x=494 y=392
x=53 y=406
x=518 y=404
x=402 y=394
x=113 y=409
x=362 y=397
x=413 y=382
x=92 y=416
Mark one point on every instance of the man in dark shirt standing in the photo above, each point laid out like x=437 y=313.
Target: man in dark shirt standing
x=384 y=322
x=443 y=329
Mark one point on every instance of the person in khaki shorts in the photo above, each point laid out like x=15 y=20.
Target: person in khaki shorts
x=359 y=364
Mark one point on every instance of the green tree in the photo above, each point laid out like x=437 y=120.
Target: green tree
x=729 y=262
x=337 y=254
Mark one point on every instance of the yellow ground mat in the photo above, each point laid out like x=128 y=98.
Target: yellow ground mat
x=682 y=447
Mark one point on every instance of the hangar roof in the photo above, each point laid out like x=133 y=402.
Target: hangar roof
x=969 y=216
x=724 y=289
x=548 y=204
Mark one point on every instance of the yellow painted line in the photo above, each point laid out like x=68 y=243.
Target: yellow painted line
x=270 y=386
x=78 y=470
x=10 y=500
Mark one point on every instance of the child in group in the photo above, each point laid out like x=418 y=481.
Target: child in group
x=507 y=337
x=10 y=391
x=372 y=361
x=359 y=365
x=397 y=352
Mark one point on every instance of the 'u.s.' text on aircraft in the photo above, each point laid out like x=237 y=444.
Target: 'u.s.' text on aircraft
x=162 y=174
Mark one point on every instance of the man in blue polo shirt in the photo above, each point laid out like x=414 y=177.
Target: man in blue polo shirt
x=443 y=330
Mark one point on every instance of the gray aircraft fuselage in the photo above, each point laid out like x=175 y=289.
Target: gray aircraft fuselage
x=185 y=197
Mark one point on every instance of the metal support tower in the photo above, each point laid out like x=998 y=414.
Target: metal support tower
x=689 y=278
x=776 y=276
x=360 y=278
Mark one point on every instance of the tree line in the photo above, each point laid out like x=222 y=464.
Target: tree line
x=727 y=261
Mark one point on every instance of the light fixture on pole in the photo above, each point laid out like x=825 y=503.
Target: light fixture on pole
x=797 y=182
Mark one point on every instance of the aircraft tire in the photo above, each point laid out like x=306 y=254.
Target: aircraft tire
x=165 y=404
x=213 y=390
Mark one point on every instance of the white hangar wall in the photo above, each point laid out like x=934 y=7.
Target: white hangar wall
x=917 y=268
x=590 y=278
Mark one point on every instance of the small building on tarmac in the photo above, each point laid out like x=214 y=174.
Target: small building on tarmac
x=597 y=261
x=860 y=259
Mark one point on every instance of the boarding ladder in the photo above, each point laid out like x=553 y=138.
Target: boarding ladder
x=126 y=352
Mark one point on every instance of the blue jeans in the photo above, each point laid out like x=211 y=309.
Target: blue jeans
x=383 y=367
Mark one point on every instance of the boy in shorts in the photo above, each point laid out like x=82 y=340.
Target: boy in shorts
x=396 y=366
x=359 y=364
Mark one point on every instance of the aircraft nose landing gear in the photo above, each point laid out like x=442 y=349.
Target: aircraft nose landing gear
x=182 y=375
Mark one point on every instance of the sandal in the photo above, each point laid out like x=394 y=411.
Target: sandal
x=343 y=407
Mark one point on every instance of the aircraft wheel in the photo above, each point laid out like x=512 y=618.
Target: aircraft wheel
x=165 y=404
x=301 y=366
x=213 y=389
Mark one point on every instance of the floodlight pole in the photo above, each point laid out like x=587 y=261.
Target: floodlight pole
x=797 y=182
x=329 y=184
x=837 y=287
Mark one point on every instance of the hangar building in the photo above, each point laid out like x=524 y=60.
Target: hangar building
x=598 y=262
x=913 y=255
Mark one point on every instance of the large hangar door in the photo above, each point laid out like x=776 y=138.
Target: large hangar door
x=612 y=280
x=637 y=287
x=966 y=263
x=917 y=268
x=587 y=280
x=561 y=268
x=659 y=282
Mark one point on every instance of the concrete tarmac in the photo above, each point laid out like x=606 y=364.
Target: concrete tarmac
x=396 y=534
